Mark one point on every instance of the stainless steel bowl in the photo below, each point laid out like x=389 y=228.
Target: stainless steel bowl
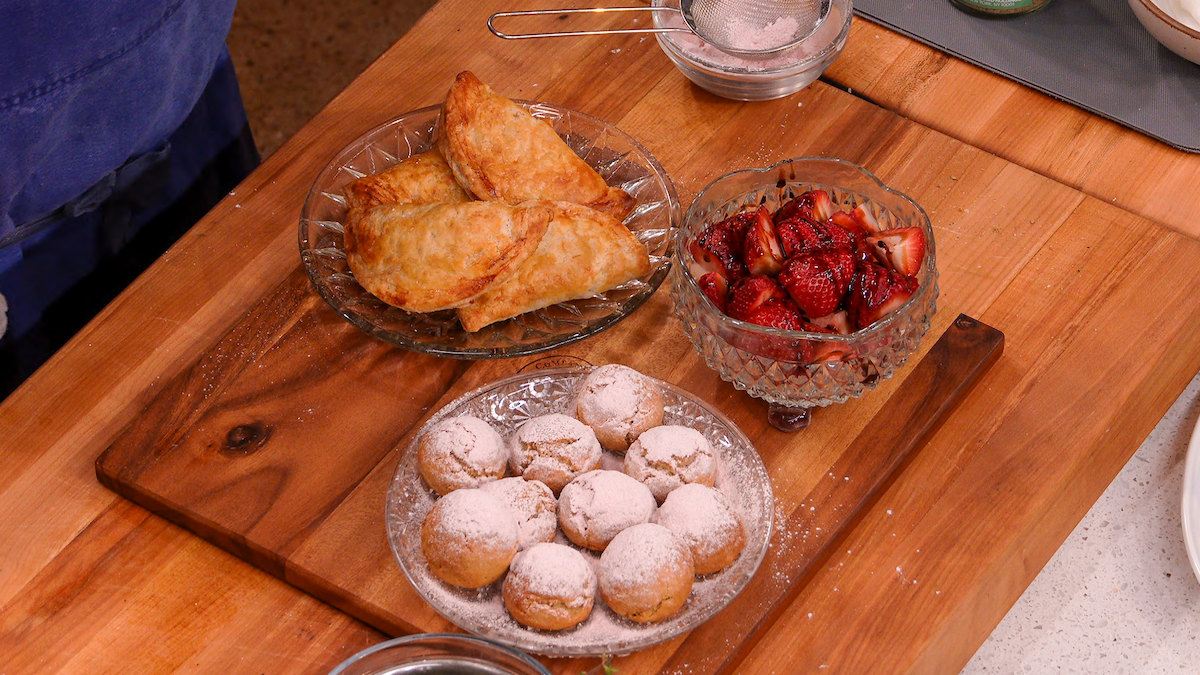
x=440 y=654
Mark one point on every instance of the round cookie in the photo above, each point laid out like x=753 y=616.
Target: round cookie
x=668 y=456
x=550 y=587
x=532 y=504
x=469 y=537
x=705 y=521
x=618 y=403
x=598 y=505
x=554 y=449
x=646 y=574
x=461 y=452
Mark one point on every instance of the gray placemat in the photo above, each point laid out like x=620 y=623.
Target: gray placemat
x=1092 y=53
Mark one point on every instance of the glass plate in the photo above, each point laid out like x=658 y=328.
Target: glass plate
x=621 y=160
x=506 y=404
x=1190 y=507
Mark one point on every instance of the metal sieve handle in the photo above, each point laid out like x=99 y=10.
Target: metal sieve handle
x=590 y=10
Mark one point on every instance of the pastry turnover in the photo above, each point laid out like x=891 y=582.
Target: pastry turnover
x=420 y=179
x=584 y=252
x=427 y=257
x=498 y=151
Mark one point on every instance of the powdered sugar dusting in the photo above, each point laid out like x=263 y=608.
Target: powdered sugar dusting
x=554 y=570
x=531 y=503
x=598 y=505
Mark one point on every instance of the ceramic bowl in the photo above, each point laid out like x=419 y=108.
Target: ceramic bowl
x=1173 y=34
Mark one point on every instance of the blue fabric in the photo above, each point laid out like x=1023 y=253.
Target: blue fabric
x=85 y=88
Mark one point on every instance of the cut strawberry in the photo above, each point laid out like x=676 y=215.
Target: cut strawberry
x=778 y=313
x=750 y=293
x=763 y=254
x=866 y=219
x=716 y=287
x=818 y=281
x=782 y=314
x=901 y=249
x=876 y=291
x=838 y=322
x=802 y=235
x=719 y=249
x=814 y=205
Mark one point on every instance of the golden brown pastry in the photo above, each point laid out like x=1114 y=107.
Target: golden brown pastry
x=584 y=252
x=550 y=587
x=461 y=452
x=498 y=151
x=469 y=537
x=599 y=505
x=668 y=456
x=646 y=573
x=705 y=521
x=426 y=257
x=618 y=403
x=420 y=179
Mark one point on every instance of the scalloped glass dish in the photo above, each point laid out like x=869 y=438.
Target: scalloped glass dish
x=746 y=354
x=621 y=160
x=506 y=404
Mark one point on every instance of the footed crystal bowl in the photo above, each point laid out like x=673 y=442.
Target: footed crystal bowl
x=766 y=362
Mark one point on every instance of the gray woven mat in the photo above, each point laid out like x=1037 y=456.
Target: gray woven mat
x=1091 y=53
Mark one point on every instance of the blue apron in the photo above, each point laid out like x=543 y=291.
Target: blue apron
x=108 y=112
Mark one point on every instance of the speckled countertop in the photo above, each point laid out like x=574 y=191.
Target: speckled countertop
x=1119 y=596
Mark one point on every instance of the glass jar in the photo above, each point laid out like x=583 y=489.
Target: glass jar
x=999 y=7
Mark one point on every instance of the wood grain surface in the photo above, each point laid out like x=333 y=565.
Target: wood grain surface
x=1092 y=289
x=274 y=459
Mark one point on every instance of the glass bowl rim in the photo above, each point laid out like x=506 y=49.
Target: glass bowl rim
x=451 y=637
x=336 y=164
x=665 y=40
x=680 y=249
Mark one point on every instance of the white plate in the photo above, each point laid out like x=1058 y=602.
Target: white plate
x=1191 y=501
x=507 y=403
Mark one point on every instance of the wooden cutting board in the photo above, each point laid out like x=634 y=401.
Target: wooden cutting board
x=280 y=442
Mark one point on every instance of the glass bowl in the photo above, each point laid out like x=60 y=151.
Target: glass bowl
x=439 y=653
x=621 y=160
x=746 y=354
x=505 y=404
x=754 y=80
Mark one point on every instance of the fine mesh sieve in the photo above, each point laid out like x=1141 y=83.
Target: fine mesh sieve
x=747 y=28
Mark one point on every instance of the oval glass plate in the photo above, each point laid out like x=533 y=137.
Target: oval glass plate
x=621 y=160
x=506 y=404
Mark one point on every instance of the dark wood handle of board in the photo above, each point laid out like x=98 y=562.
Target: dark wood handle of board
x=935 y=387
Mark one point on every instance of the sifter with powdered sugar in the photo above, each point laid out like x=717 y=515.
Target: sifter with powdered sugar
x=749 y=29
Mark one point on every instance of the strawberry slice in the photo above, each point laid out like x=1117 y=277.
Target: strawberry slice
x=876 y=291
x=716 y=287
x=814 y=205
x=838 y=322
x=719 y=249
x=778 y=313
x=819 y=280
x=803 y=235
x=901 y=248
x=865 y=219
x=750 y=293
x=763 y=254
x=782 y=314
